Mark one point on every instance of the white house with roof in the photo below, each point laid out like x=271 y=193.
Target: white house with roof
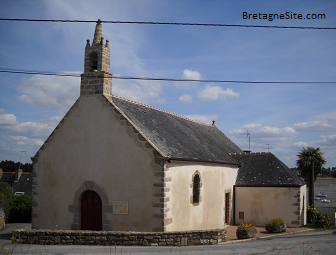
x=115 y=164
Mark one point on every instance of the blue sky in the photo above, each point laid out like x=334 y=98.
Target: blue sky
x=288 y=117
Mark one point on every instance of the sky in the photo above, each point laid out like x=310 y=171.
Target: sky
x=282 y=118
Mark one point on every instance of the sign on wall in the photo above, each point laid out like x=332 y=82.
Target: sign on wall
x=120 y=207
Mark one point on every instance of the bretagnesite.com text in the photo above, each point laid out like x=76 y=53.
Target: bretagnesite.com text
x=286 y=15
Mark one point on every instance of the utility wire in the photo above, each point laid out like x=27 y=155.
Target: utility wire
x=331 y=155
x=164 y=23
x=21 y=71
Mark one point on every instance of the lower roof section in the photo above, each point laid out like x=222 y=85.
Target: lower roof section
x=264 y=169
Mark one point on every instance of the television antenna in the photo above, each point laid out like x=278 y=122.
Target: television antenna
x=268 y=147
x=20 y=158
x=249 y=136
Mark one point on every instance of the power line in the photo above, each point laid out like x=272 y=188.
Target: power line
x=21 y=71
x=163 y=23
x=331 y=155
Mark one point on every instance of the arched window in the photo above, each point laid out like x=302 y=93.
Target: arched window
x=196 y=189
x=94 y=61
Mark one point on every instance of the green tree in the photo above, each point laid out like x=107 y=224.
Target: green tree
x=20 y=211
x=309 y=159
x=8 y=166
x=6 y=193
x=326 y=172
x=333 y=175
x=11 y=166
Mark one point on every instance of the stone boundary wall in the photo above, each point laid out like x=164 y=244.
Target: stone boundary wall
x=80 y=237
x=2 y=218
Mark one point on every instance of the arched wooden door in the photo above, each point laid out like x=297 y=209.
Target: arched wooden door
x=91 y=209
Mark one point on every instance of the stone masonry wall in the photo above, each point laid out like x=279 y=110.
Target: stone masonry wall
x=68 y=237
x=2 y=218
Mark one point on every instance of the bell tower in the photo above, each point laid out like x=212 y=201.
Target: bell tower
x=97 y=78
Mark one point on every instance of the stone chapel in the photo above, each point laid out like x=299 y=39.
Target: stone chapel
x=114 y=164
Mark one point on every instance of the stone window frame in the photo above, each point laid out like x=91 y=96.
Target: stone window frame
x=199 y=194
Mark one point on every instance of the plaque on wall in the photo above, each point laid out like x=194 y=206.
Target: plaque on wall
x=120 y=207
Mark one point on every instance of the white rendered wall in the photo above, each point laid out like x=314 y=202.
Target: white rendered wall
x=94 y=145
x=216 y=180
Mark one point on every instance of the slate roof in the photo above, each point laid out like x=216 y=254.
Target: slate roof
x=177 y=137
x=264 y=169
x=23 y=185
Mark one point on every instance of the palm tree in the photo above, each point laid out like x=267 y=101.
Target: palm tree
x=310 y=162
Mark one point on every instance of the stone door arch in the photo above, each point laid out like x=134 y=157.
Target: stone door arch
x=76 y=209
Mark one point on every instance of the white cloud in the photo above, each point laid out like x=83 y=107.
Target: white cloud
x=206 y=118
x=325 y=142
x=141 y=91
x=53 y=121
x=278 y=140
x=186 y=99
x=18 y=138
x=327 y=123
x=191 y=75
x=7 y=119
x=160 y=101
x=54 y=92
x=17 y=130
x=188 y=75
x=314 y=126
x=259 y=131
x=27 y=136
x=210 y=93
x=23 y=140
x=31 y=129
x=301 y=144
x=330 y=117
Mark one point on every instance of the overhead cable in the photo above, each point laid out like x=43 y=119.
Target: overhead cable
x=163 y=23
x=21 y=71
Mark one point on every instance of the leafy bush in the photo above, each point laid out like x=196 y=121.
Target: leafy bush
x=6 y=192
x=274 y=222
x=312 y=214
x=20 y=211
x=248 y=225
x=319 y=220
x=323 y=221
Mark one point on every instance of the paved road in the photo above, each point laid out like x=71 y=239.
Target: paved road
x=322 y=242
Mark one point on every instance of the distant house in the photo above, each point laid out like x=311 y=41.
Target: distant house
x=20 y=182
x=115 y=164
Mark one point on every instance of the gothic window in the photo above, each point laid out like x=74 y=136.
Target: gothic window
x=94 y=61
x=196 y=189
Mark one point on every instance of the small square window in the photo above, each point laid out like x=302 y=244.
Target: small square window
x=241 y=215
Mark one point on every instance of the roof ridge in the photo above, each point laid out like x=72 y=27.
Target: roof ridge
x=14 y=173
x=161 y=110
x=251 y=153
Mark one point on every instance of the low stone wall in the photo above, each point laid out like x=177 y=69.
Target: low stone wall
x=2 y=218
x=80 y=237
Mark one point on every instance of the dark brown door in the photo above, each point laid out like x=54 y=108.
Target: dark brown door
x=91 y=209
x=227 y=207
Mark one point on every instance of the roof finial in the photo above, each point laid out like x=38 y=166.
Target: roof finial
x=98 y=34
x=213 y=122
